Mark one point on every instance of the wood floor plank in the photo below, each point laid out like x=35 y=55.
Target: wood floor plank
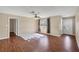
x=64 y=43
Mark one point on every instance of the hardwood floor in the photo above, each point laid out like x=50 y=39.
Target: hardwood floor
x=48 y=43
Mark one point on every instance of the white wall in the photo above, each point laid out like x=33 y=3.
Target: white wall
x=25 y=25
x=55 y=25
x=4 y=27
x=77 y=26
x=77 y=29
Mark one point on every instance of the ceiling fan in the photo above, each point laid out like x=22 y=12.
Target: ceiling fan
x=35 y=14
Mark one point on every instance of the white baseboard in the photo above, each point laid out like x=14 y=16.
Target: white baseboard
x=4 y=38
x=55 y=35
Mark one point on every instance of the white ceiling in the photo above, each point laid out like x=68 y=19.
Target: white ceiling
x=45 y=11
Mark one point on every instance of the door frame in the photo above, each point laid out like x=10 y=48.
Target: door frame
x=17 y=25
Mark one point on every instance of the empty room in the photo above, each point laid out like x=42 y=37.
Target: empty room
x=39 y=29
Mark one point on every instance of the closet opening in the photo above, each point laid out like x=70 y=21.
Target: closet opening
x=13 y=27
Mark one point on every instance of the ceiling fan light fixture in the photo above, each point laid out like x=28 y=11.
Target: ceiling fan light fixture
x=35 y=14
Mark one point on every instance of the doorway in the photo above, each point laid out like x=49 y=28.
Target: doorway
x=44 y=25
x=68 y=25
x=13 y=27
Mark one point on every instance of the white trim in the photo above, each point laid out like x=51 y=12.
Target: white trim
x=4 y=38
x=53 y=34
x=57 y=35
x=16 y=21
x=61 y=26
